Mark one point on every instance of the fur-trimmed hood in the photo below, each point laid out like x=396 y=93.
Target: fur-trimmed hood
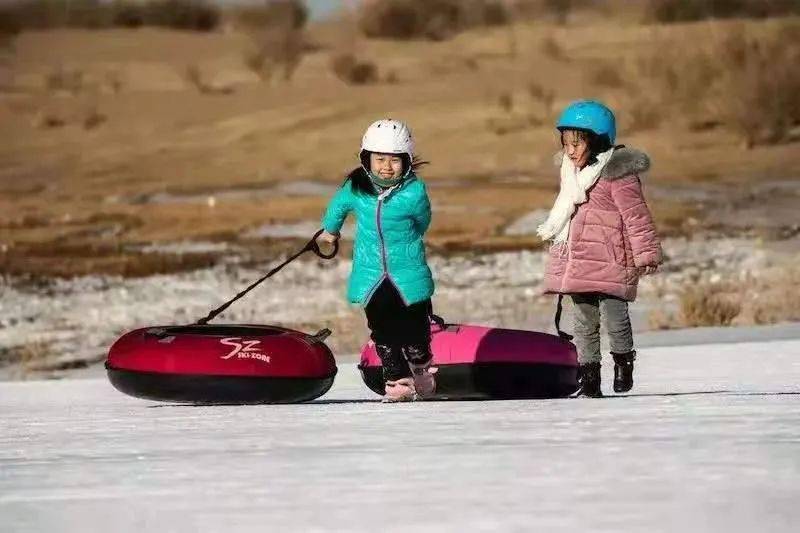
x=624 y=162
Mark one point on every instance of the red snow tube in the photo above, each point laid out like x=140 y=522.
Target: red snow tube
x=215 y=364
x=477 y=362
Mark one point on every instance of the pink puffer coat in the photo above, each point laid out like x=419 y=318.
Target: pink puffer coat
x=611 y=237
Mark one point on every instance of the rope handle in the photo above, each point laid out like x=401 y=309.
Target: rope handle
x=311 y=246
x=314 y=246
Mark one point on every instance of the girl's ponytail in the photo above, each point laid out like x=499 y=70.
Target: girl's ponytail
x=359 y=181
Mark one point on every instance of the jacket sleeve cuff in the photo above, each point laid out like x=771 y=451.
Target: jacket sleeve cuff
x=331 y=226
x=650 y=257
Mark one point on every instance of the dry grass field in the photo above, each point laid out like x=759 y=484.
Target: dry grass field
x=113 y=139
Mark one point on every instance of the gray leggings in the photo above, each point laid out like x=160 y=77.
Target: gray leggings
x=588 y=311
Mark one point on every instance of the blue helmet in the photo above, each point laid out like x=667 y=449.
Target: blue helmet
x=589 y=115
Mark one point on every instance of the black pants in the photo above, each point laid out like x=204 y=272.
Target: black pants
x=398 y=328
x=394 y=323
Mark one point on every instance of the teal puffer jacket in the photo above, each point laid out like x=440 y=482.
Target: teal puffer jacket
x=388 y=239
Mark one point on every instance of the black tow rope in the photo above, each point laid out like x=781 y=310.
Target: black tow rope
x=563 y=334
x=311 y=246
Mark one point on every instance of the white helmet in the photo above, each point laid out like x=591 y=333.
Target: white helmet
x=388 y=136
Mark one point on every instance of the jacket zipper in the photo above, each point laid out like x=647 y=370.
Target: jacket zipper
x=384 y=261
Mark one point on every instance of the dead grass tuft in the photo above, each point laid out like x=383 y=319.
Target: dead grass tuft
x=59 y=260
x=277 y=40
x=194 y=15
x=552 y=49
x=606 y=74
x=354 y=71
x=709 y=304
x=26 y=358
x=737 y=78
x=671 y=11
x=434 y=20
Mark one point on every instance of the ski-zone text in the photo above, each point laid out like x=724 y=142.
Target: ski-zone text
x=243 y=349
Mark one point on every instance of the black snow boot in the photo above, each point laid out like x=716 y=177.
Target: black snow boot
x=393 y=361
x=623 y=371
x=589 y=380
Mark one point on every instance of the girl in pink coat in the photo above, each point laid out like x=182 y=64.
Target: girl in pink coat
x=602 y=239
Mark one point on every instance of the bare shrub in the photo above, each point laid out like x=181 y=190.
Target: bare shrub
x=194 y=77
x=428 y=19
x=7 y=35
x=277 y=42
x=661 y=320
x=560 y=9
x=392 y=77
x=275 y=14
x=352 y=70
x=642 y=112
x=275 y=53
x=506 y=102
x=708 y=305
x=606 y=74
x=762 y=100
x=93 y=118
x=772 y=296
x=181 y=14
x=27 y=357
x=738 y=79
x=65 y=79
x=195 y=15
x=113 y=81
x=670 y=11
x=550 y=48
x=48 y=120
x=545 y=97
x=553 y=11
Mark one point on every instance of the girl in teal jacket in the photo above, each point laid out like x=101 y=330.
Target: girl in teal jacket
x=390 y=277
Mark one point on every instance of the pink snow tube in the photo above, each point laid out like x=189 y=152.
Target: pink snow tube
x=477 y=362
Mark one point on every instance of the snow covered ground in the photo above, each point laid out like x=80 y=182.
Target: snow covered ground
x=709 y=440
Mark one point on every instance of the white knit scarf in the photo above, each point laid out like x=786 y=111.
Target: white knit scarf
x=575 y=185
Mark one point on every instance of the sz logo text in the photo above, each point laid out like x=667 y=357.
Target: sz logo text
x=243 y=349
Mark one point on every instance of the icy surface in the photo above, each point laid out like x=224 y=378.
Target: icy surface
x=710 y=441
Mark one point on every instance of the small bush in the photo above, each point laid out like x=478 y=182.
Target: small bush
x=734 y=79
x=606 y=75
x=128 y=16
x=26 y=358
x=46 y=121
x=275 y=14
x=762 y=97
x=63 y=79
x=93 y=118
x=671 y=11
x=392 y=78
x=194 y=77
x=545 y=97
x=506 y=102
x=553 y=50
x=92 y=14
x=353 y=71
x=182 y=14
x=560 y=9
x=641 y=112
x=275 y=51
x=708 y=305
x=737 y=79
x=428 y=19
x=276 y=35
